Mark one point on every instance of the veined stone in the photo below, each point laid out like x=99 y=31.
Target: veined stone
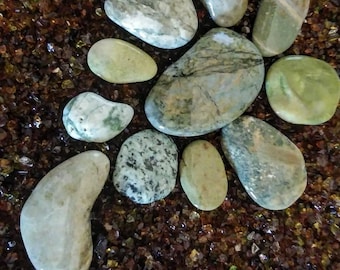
x=226 y=13
x=54 y=221
x=270 y=167
x=146 y=167
x=303 y=90
x=166 y=24
x=212 y=84
x=202 y=175
x=91 y=118
x=118 y=61
x=277 y=24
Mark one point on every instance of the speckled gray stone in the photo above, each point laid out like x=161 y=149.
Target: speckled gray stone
x=208 y=87
x=55 y=220
x=166 y=24
x=146 y=167
x=92 y=118
x=270 y=167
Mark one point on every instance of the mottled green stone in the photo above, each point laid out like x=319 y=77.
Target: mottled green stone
x=212 y=84
x=202 y=175
x=303 y=90
x=118 y=61
x=277 y=24
x=270 y=167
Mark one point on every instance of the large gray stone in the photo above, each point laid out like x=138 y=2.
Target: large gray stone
x=54 y=221
x=208 y=87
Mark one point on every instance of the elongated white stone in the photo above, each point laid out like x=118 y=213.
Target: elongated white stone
x=208 y=87
x=118 y=61
x=226 y=13
x=166 y=24
x=270 y=167
x=146 y=167
x=202 y=174
x=54 y=221
x=91 y=118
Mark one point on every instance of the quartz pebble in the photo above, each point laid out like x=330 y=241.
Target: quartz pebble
x=226 y=13
x=303 y=90
x=166 y=24
x=202 y=175
x=212 y=84
x=54 y=222
x=91 y=118
x=277 y=24
x=270 y=167
x=118 y=61
x=146 y=167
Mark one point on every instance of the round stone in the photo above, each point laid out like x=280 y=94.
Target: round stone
x=270 y=167
x=118 y=61
x=55 y=220
x=146 y=167
x=303 y=90
x=91 y=118
x=202 y=175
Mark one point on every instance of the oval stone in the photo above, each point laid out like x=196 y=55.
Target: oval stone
x=212 y=84
x=270 y=167
x=118 y=61
x=91 y=118
x=202 y=175
x=166 y=24
x=54 y=221
x=277 y=24
x=226 y=13
x=303 y=90
x=146 y=167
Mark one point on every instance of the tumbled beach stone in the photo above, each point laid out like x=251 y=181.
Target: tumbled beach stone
x=303 y=90
x=212 y=84
x=277 y=24
x=270 y=167
x=166 y=24
x=91 y=118
x=146 y=167
x=118 y=61
x=54 y=221
x=202 y=175
x=226 y=13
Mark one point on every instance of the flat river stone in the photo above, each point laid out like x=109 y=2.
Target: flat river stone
x=54 y=221
x=146 y=167
x=303 y=89
x=277 y=24
x=226 y=13
x=166 y=24
x=202 y=175
x=212 y=84
x=92 y=118
x=270 y=167
x=118 y=61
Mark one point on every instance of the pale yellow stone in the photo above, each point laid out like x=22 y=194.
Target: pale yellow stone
x=202 y=175
x=118 y=61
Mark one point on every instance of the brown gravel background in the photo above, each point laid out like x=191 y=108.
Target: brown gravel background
x=43 y=48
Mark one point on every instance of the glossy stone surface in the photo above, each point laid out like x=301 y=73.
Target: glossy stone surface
x=226 y=13
x=118 y=61
x=146 y=167
x=277 y=24
x=212 y=84
x=202 y=175
x=92 y=118
x=54 y=221
x=166 y=24
x=303 y=90
x=270 y=167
